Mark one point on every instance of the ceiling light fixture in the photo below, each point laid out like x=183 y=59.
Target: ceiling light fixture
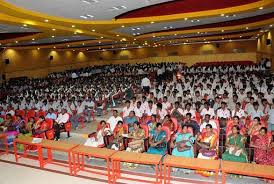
x=223 y=30
x=52 y=36
x=152 y=22
x=246 y=28
x=72 y=25
x=186 y=18
x=46 y=20
x=32 y=39
x=261 y=8
x=117 y=35
x=53 y=29
x=123 y=26
x=25 y=25
x=68 y=45
x=222 y=15
x=84 y=17
x=93 y=30
x=16 y=41
x=54 y=47
x=38 y=48
x=102 y=37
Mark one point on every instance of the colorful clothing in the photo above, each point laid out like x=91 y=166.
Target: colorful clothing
x=137 y=143
x=240 y=155
x=189 y=142
x=160 y=149
x=211 y=142
x=261 y=156
x=130 y=120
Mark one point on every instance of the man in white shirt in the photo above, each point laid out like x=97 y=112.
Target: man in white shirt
x=127 y=109
x=238 y=111
x=151 y=109
x=189 y=110
x=79 y=112
x=113 y=120
x=160 y=112
x=166 y=104
x=62 y=118
x=207 y=110
x=223 y=112
x=138 y=110
x=207 y=121
x=146 y=85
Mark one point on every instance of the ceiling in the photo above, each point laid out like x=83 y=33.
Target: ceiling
x=93 y=25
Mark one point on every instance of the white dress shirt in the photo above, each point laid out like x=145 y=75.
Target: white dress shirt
x=113 y=121
x=62 y=118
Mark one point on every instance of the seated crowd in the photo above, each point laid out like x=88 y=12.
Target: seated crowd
x=206 y=112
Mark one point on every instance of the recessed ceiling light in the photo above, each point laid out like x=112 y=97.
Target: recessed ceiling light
x=38 y=48
x=32 y=39
x=99 y=42
x=89 y=1
x=84 y=17
x=222 y=15
x=223 y=30
x=72 y=25
x=46 y=20
x=93 y=30
x=122 y=26
x=133 y=34
x=16 y=41
x=198 y=32
x=175 y=34
x=52 y=36
x=102 y=37
x=54 y=47
x=138 y=33
x=68 y=45
x=83 y=43
x=25 y=25
x=223 y=38
x=89 y=16
x=134 y=39
x=270 y=25
x=153 y=36
x=138 y=28
x=152 y=22
x=117 y=35
x=86 y=49
x=261 y=8
x=53 y=29
x=246 y=28
x=73 y=50
x=75 y=32
x=241 y=36
x=186 y=18
x=230 y=40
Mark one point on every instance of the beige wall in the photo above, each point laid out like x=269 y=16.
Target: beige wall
x=35 y=63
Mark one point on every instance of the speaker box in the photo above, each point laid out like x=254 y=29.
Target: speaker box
x=50 y=57
x=268 y=41
x=114 y=52
x=3 y=77
x=7 y=61
x=217 y=45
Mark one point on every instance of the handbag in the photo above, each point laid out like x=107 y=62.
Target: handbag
x=136 y=144
x=181 y=146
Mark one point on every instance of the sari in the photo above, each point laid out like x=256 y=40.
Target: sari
x=263 y=156
x=137 y=143
x=211 y=141
x=159 y=149
x=169 y=124
x=187 y=139
x=117 y=142
x=237 y=154
x=129 y=121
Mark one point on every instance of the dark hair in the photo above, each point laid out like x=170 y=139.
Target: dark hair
x=237 y=127
x=236 y=117
x=257 y=118
x=188 y=114
x=209 y=125
x=137 y=123
x=264 y=128
x=42 y=117
x=120 y=122
x=21 y=117
x=158 y=124
x=184 y=125
x=255 y=104
x=115 y=111
x=127 y=101
x=159 y=105
x=103 y=121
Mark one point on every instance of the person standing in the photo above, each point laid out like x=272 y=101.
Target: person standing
x=146 y=85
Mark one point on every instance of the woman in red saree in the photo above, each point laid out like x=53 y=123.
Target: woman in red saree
x=263 y=149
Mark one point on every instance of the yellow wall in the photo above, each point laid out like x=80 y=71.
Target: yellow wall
x=266 y=51
x=35 y=63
